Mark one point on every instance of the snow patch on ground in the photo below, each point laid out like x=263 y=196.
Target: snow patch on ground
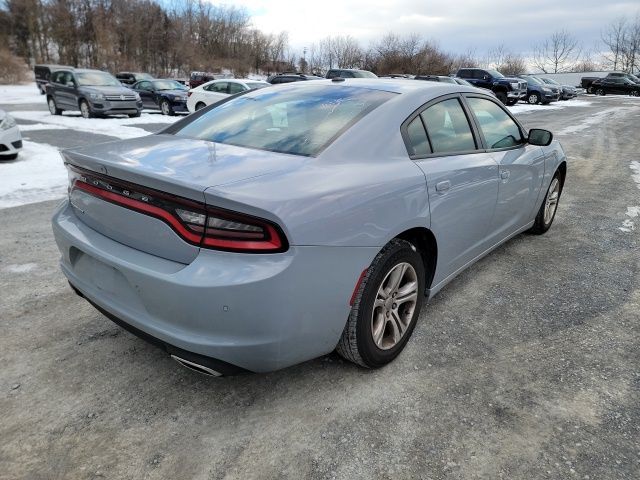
x=21 y=268
x=37 y=175
x=21 y=94
x=526 y=108
x=594 y=119
x=40 y=126
x=628 y=225
x=114 y=127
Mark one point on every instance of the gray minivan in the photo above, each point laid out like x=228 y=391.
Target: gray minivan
x=93 y=92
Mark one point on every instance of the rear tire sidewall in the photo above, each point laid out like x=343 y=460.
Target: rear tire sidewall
x=533 y=99
x=53 y=109
x=165 y=108
x=369 y=352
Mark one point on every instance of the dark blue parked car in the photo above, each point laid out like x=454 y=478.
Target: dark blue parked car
x=169 y=96
x=540 y=92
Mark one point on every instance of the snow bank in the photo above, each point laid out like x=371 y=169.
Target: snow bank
x=37 y=175
x=525 y=108
x=21 y=94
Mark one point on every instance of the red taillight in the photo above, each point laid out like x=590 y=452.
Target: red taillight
x=194 y=222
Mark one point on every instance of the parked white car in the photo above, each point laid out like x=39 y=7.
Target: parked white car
x=10 y=138
x=216 y=90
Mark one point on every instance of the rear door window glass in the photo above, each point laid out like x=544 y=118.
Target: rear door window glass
x=448 y=127
x=418 y=137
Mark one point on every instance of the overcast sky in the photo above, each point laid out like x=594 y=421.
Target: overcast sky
x=457 y=25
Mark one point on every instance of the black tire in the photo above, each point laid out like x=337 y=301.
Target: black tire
x=134 y=115
x=540 y=226
x=166 y=108
x=533 y=99
x=200 y=105
x=600 y=92
x=512 y=101
x=502 y=97
x=53 y=108
x=13 y=156
x=85 y=109
x=635 y=93
x=357 y=344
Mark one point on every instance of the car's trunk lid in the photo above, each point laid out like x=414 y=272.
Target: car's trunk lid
x=180 y=167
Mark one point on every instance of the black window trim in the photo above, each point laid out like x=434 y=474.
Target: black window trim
x=472 y=125
x=485 y=146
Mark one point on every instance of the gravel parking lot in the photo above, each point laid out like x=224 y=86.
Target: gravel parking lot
x=526 y=366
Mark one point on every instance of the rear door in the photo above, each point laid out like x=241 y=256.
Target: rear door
x=521 y=166
x=462 y=181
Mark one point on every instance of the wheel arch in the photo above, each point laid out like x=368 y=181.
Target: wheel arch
x=562 y=168
x=425 y=242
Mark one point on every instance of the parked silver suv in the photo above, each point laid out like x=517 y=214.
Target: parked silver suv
x=93 y=92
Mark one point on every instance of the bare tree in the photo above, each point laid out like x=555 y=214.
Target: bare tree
x=614 y=38
x=556 y=54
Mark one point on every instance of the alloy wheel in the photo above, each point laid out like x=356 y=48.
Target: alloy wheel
x=165 y=108
x=52 y=106
x=84 y=110
x=394 y=305
x=551 y=203
x=533 y=99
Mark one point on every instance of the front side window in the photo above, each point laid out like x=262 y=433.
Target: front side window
x=299 y=121
x=144 y=86
x=218 y=87
x=448 y=127
x=498 y=128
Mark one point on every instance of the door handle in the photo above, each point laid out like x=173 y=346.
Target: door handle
x=504 y=174
x=443 y=186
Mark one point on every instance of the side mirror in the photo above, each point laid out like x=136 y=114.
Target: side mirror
x=540 y=137
x=486 y=77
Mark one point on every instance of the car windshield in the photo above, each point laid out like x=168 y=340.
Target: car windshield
x=495 y=73
x=256 y=85
x=364 y=74
x=533 y=80
x=97 y=79
x=550 y=81
x=299 y=121
x=168 y=85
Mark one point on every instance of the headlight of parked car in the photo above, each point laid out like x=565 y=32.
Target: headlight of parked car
x=546 y=90
x=7 y=123
x=96 y=96
x=137 y=95
x=515 y=85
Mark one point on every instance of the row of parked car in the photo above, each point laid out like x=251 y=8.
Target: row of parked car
x=98 y=93
x=615 y=83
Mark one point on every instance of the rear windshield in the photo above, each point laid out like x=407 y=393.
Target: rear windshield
x=300 y=121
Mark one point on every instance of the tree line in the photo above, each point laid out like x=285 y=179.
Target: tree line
x=176 y=37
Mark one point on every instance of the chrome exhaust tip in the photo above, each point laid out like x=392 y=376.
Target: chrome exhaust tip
x=196 y=367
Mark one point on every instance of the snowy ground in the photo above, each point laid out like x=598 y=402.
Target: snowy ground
x=38 y=173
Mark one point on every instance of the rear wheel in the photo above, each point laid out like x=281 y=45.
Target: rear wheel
x=386 y=307
x=85 y=109
x=533 y=99
x=548 y=209
x=53 y=109
x=512 y=101
x=200 y=105
x=502 y=97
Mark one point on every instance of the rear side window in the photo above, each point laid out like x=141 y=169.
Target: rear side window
x=235 y=88
x=448 y=127
x=498 y=128
x=299 y=121
x=418 y=137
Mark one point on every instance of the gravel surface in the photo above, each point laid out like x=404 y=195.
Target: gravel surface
x=527 y=366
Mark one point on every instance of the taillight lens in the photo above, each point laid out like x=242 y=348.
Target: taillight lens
x=194 y=222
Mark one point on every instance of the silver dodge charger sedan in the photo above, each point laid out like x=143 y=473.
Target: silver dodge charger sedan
x=276 y=226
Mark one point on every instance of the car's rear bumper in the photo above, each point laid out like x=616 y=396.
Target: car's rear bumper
x=258 y=312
